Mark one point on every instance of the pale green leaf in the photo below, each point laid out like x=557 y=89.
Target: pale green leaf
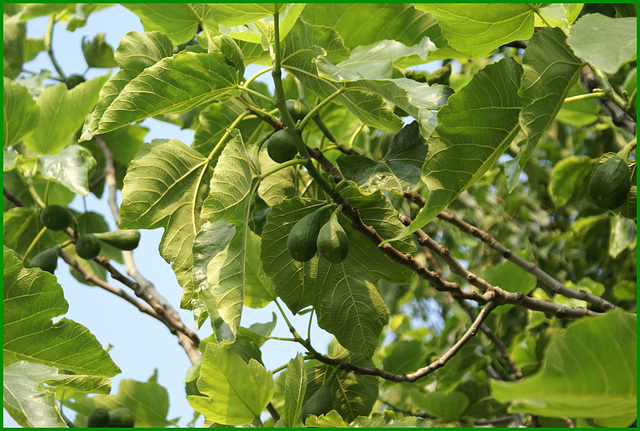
x=257 y=32
x=258 y=332
x=231 y=14
x=579 y=112
x=97 y=52
x=258 y=288
x=623 y=236
x=444 y=405
x=235 y=392
x=388 y=419
x=231 y=190
x=399 y=170
x=573 y=380
x=282 y=184
x=136 y=52
x=567 y=176
x=26 y=400
x=549 y=71
x=478 y=29
x=70 y=167
x=559 y=14
x=345 y=294
x=614 y=45
x=366 y=23
x=417 y=99
x=32 y=298
x=172 y=85
x=13 y=41
x=474 y=129
x=178 y=20
x=295 y=386
x=165 y=187
x=304 y=44
x=20 y=112
x=148 y=402
x=329 y=420
x=62 y=113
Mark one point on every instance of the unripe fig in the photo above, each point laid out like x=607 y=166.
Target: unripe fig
x=297 y=110
x=281 y=146
x=56 y=217
x=332 y=241
x=121 y=239
x=88 y=246
x=301 y=243
x=610 y=183
x=46 y=260
x=98 y=418
x=121 y=418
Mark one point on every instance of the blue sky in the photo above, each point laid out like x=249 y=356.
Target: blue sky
x=140 y=343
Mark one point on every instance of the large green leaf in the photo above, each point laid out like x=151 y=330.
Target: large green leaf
x=295 y=386
x=588 y=371
x=20 y=112
x=178 y=20
x=239 y=22
x=345 y=294
x=232 y=14
x=417 y=99
x=70 y=167
x=474 y=129
x=165 y=187
x=614 y=46
x=399 y=170
x=549 y=71
x=304 y=45
x=32 y=298
x=366 y=23
x=136 y=52
x=352 y=394
x=30 y=404
x=62 y=113
x=282 y=184
x=233 y=184
x=148 y=401
x=172 y=85
x=235 y=392
x=478 y=29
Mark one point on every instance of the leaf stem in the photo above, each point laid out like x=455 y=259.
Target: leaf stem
x=255 y=93
x=33 y=243
x=48 y=37
x=263 y=71
x=631 y=103
x=544 y=19
x=594 y=95
x=320 y=105
x=608 y=90
x=281 y=166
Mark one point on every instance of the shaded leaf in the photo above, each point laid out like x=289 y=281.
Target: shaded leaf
x=148 y=402
x=614 y=46
x=32 y=298
x=20 y=228
x=549 y=71
x=444 y=405
x=580 y=112
x=295 y=386
x=62 y=113
x=399 y=170
x=235 y=392
x=282 y=184
x=20 y=112
x=479 y=29
x=70 y=167
x=623 y=236
x=474 y=129
x=575 y=382
x=404 y=356
x=568 y=175
x=98 y=53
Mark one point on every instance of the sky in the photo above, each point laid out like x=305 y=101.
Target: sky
x=141 y=343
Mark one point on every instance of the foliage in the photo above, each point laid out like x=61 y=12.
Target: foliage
x=466 y=274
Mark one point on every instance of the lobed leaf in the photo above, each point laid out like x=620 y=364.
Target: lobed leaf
x=32 y=298
x=549 y=71
x=20 y=112
x=573 y=380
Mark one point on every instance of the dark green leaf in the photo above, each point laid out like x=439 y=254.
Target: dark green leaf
x=98 y=53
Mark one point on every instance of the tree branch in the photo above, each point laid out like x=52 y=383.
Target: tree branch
x=12 y=198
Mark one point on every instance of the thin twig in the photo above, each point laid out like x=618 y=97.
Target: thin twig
x=512 y=417
x=12 y=198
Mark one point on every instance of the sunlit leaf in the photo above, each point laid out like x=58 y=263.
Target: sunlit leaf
x=62 y=112
x=559 y=14
x=178 y=20
x=32 y=298
x=295 y=386
x=614 y=46
x=236 y=392
x=478 y=29
x=70 y=167
x=20 y=112
x=97 y=52
x=575 y=381
x=567 y=176
x=623 y=236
